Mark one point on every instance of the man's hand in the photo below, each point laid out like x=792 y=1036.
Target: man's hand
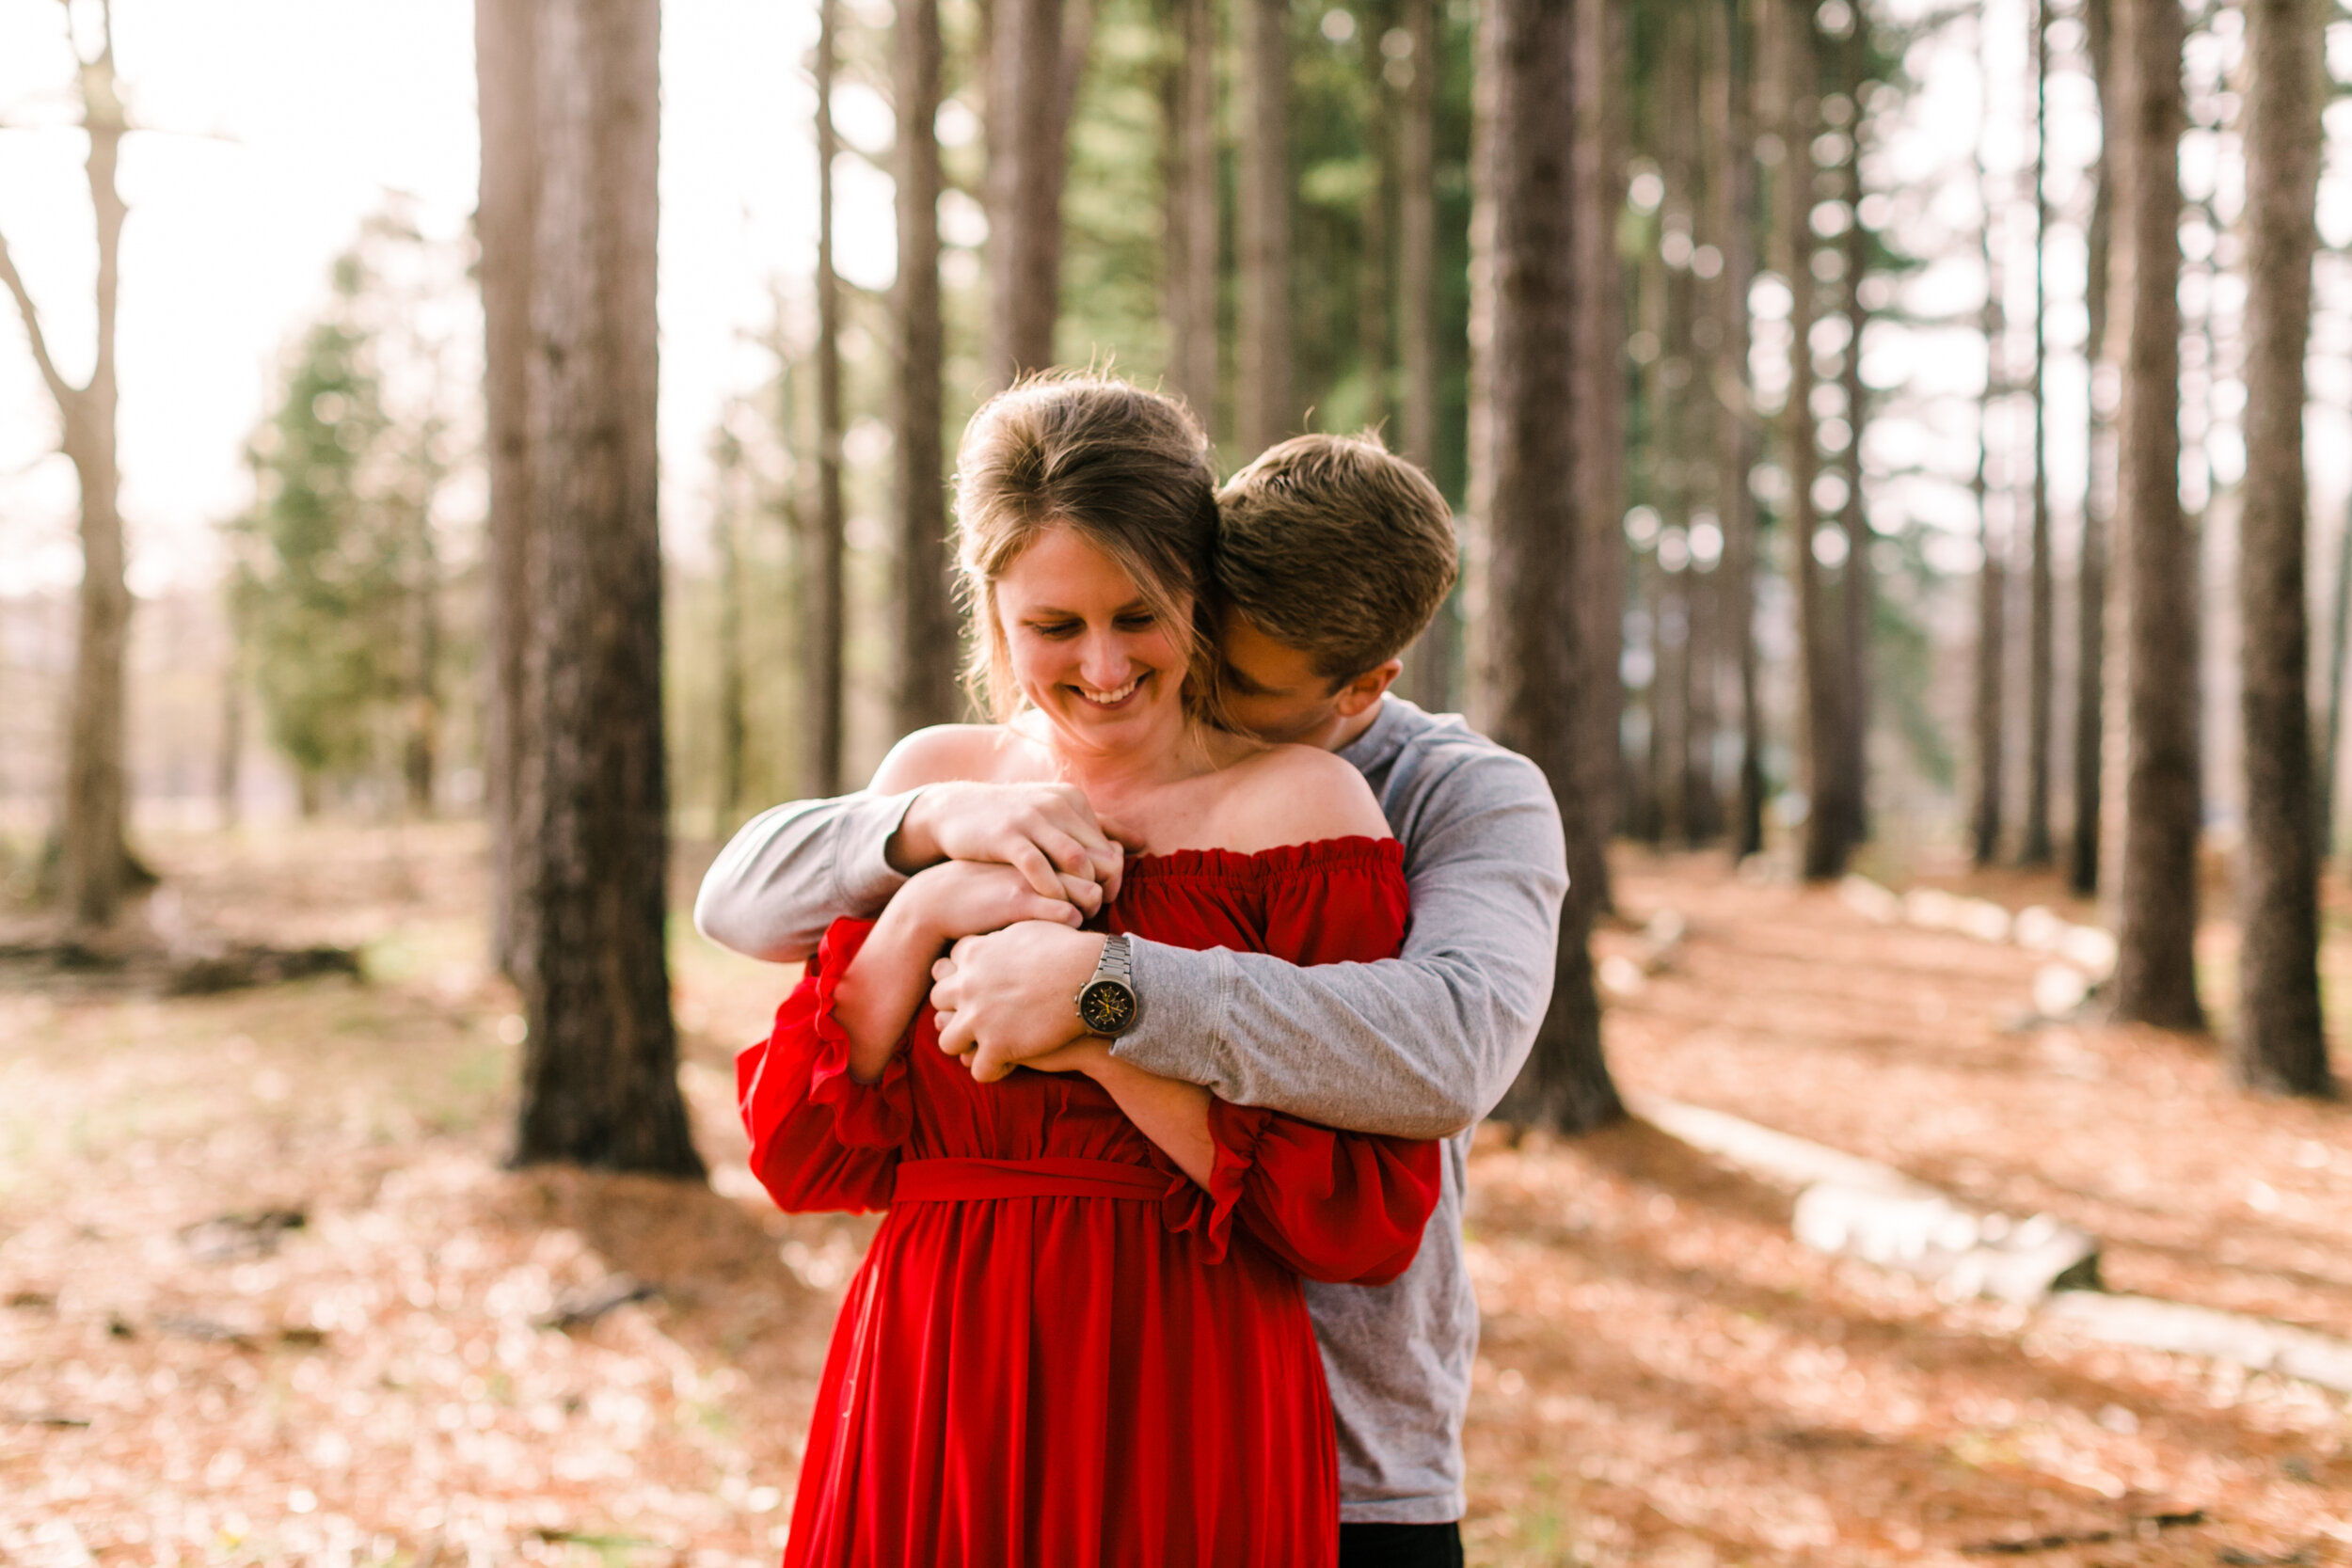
x=1011 y=997
x=1044 y=832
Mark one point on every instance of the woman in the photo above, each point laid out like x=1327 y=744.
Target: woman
x=1078 y=1337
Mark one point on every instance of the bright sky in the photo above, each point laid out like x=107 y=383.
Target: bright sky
x=280 y=124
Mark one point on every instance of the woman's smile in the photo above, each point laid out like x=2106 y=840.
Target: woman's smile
x=1116 y=698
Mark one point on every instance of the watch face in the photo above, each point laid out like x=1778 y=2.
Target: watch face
x=1105 y=1006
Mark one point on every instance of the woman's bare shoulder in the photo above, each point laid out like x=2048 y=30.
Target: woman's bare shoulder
x=1296 y=795
x=944 y=754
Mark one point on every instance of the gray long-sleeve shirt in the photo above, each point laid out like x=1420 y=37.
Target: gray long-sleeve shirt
x=1420 y=1045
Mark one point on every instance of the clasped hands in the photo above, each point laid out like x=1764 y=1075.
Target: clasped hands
x=1008 y=873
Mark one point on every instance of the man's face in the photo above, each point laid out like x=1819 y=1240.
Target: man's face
x=1273 y=691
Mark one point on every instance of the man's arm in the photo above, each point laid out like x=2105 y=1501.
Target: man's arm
x=794 y=869
x=1417 y=1046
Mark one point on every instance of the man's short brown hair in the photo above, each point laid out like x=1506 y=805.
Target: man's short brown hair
x=1336 y=547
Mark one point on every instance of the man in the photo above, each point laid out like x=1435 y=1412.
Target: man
x=1333 y=555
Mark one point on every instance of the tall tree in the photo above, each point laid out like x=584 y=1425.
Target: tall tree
x=725 y=523
x=2281 y=1043
x=1527 y=362
x=1602 y=106
x=1035 y=56
x=825 y=618
x=1188 y=284
x=1790 y=26
x=505 y=220
x=1373 y=297
x=1991 y=707
x=2041 y=629
x=2155 y=976
x=924 y=684
x=2090 y=571
x=95 y=866
x=1263 y=396
x=1430 y=667
x=1731 y=193
x=601 y=1069
x=1854 y=591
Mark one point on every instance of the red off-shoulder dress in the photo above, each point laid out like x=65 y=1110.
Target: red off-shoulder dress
x=1060 y=1351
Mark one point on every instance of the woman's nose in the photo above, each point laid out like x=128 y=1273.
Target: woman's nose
x=1102 y=663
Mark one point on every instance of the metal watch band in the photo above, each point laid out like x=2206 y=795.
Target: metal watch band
x=1114 y=963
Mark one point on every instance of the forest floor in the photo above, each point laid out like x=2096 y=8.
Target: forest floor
x=267 y=1294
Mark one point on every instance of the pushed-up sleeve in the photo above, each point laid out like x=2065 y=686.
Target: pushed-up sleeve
x=820 y=1139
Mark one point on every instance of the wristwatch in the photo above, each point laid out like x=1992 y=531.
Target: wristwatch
x=1108 y=1003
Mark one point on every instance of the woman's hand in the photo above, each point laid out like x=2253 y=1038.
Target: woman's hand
x=1048 y=832
x=963 y=898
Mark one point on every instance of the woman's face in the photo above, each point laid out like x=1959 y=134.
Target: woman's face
x=1087 y=650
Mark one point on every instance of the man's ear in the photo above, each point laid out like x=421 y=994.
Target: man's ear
x=1368 y=687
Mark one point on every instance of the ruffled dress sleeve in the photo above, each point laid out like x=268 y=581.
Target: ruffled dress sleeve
x=820 y=1139
x=1345 y=1208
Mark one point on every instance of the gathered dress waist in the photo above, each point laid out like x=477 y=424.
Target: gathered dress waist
x=955 y=1181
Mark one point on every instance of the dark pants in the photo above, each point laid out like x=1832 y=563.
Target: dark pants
x=1400 y=1546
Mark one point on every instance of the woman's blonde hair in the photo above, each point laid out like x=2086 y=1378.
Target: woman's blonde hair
x=1128 y=471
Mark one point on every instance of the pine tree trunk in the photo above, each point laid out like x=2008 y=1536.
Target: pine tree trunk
x=733 y=729
x=228 y=761
x=1790 y=24
x=1991 y=708
x=2282 y=1045
x=1855 y=589
x=1032 y=84
x=1189 y=283
x=1599 y=173
x=601 y=1069
x=1373 y=293
x=822 y=702
x=1732 y=189
x=925 y=635
x=1263 y=396
x=1527 y=360
x=1431 y=675
x=2155 y=978
x=504 y=43
x=2042 y=675
x=2090 y=582
x=1675 y=738
x=422 y=757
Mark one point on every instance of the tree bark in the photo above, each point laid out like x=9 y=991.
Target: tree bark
x=1263 y=396
x=2090 y=582
x=1732 y=191
x=733 y=729
x=822 y=702
x=95 y=867
x=1526 y=356
x=1373 y=293
x=2281 y=1044
x=1189 y=290
x=2041 y=630
x=1991 y=708
x=1431 y=671
x=925 y=635
x=601 y=1069
x=2155 y=978
x=1036 y=51
x=1855 y=589
x=1793 y=47
x=505 y=220
x=1599 y=173
x=2339 y=644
